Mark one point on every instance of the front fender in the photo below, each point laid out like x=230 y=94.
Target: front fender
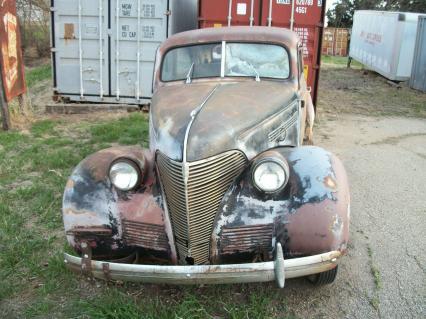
x=112 y=222
x=310 y=216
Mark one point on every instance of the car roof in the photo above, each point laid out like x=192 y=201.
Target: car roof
x=240 y=33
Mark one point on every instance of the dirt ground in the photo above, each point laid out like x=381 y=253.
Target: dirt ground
x=384 y=274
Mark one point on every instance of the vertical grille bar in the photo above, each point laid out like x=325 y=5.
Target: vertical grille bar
x=207 y=183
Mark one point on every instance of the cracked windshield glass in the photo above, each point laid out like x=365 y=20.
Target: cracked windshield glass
x=241 y=60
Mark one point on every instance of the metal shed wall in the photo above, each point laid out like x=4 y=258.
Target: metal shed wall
x=418 y=73
x=384 y=42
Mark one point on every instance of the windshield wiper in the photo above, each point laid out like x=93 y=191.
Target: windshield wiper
x=188 y=75
x=255 y=71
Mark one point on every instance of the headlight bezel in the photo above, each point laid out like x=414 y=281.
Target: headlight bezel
x=281 y=162
x=133 y=165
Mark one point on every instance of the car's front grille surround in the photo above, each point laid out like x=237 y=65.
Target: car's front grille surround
x=145 y=235
x=193 y=204
x=248 y=238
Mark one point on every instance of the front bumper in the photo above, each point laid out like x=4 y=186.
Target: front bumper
x=277 y=270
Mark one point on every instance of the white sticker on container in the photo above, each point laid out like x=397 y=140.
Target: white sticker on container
x=283 y=1
x=319 y=3
x=242 y=9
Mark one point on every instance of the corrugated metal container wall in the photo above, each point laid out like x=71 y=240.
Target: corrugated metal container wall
x=306 y=17
x=104 y=50
x=384 y=42
x=335 y=41
x=418 y=73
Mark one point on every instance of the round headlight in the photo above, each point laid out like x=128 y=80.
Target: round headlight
x=270 y=175
x=124 y=175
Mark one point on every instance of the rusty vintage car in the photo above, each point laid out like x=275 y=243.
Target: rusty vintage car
x=227 y=191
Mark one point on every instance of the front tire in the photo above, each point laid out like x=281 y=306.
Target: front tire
x=324 y=278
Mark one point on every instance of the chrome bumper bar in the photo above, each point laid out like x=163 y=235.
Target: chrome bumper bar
x=277 y=270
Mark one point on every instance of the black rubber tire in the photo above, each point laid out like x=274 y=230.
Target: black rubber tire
x=324 y=278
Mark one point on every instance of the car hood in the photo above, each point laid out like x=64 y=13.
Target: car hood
x=221 y=117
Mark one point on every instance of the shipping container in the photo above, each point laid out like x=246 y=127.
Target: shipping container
x=335 y=41
x=418 y=73
x=384 y=42
x=104 y=50
x=306 y=17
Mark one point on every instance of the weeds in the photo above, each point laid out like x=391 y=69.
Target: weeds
x=35 y=75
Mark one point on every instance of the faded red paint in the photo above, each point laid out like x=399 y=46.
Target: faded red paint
x=325 y=224
x=12 y=67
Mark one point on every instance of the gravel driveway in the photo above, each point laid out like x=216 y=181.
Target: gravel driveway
x=384 y=274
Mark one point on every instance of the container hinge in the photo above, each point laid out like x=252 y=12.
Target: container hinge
x=316 y=67
x=53 y=50
x=319 y=25
x=168 y=13
x=53 y=9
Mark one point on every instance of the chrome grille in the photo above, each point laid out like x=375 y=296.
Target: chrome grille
x=193 y=205
x=145 y=235
x=246 y=238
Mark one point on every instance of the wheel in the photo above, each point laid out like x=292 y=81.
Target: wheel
x=324 y=278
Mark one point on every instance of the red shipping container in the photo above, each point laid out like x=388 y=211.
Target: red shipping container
x=306 y=17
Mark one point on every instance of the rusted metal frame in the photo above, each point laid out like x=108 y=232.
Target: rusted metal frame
x=185 y=165
x=4 y=106
x=86 y=260
x=278 y=270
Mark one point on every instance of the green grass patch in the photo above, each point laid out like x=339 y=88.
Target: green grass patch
x=339 y=61
x=35 y=75
x=130 y=130
x=196 y=303
x=34 y=168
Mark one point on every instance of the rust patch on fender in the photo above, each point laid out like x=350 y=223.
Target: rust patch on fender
x=330 y=183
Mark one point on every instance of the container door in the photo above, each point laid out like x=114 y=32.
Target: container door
x=219 y=13
x=137 y=29
x=307 y=19
x=80 y=47
x=418 y=74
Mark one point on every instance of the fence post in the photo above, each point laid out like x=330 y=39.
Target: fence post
x=4 y=106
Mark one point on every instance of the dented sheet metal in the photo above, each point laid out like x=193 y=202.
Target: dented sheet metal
x=311 y=215
x=94 y=211
x=278 y=270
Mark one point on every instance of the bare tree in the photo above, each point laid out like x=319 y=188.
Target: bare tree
x=34 y=19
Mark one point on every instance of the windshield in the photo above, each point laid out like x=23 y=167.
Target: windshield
x=241 y=59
